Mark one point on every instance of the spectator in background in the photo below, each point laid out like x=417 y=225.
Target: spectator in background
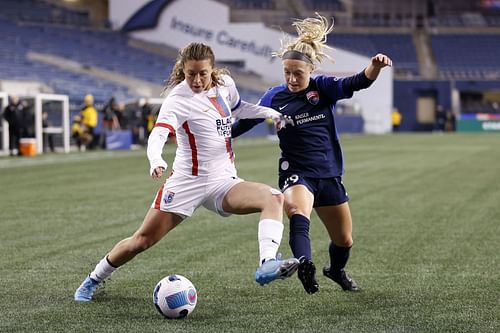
x=148 y=119
x=78 y=133
x=396 y=119
x=89 y=119
x=450 y=121
x=109 y=120
x=440 y=119
x=121 y=116
x=135 y=122
x=149 y=116
x=14 y=115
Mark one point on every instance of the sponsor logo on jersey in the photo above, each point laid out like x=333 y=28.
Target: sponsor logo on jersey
x=304 y=118
x=223 y=126
x=282 y=107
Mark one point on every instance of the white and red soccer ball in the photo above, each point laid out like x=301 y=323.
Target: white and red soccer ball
x=175 y=296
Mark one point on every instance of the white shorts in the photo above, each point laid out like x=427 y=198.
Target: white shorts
x=183 y=194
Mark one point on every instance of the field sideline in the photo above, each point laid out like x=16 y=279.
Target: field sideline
x=426 y=212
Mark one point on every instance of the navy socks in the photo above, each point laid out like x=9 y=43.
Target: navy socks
x=338 y=257
x=299 y=236
x=301 y=244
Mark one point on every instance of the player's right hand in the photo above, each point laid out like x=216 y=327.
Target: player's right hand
x=157 y=173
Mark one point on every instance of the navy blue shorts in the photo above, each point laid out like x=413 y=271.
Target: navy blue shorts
x=326 y=191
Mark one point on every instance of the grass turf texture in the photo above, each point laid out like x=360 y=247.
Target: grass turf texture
x=426 y=212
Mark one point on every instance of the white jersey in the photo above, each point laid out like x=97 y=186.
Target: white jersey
x=202 y=124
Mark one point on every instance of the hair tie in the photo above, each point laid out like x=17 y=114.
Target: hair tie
x=296 y=55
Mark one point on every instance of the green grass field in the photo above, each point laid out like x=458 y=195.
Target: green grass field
x=426 y=212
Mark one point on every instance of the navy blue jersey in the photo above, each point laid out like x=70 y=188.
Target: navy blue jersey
x=310 y=142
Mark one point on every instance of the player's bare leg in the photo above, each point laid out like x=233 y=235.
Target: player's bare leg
x=155 y=226
x=249 y=197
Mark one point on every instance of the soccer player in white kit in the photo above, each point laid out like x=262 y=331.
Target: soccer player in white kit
x=198 y=110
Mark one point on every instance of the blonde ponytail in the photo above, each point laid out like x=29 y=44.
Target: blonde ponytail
x=312 y=37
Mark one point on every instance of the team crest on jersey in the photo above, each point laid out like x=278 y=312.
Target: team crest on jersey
x=313 y=97
x=169 y=197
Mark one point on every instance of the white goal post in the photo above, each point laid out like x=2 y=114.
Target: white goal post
x=62 y=128
x=40 y=101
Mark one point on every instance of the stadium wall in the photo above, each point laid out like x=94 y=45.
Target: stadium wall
x=406 y=95
x=176 y=24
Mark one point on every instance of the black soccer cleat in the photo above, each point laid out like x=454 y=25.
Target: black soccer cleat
x=307 y=275
x=342 y=279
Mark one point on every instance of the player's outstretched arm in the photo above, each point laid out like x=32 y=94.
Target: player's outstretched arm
x=378 y=62
x=243 y=125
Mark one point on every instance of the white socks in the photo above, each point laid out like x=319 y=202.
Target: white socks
x=270 y=233
x=102 y=270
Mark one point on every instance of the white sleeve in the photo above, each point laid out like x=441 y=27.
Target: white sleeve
x=244 y=110
x=234 y=96
x=251 y=111
x=170 y=117
x=156 y=141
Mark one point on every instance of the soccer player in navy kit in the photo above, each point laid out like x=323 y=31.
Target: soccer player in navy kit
x=311 y=163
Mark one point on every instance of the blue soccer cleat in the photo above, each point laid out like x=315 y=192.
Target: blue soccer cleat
x=276 y=269
x=86 y=290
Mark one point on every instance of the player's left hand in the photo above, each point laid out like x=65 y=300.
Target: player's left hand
x=381 y=60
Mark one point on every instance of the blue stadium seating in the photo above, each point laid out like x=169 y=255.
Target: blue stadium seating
x=30 y=25
x=14 y=65
x=324 y=5
x=471 y=56
x=41 y=12
x=398 y=46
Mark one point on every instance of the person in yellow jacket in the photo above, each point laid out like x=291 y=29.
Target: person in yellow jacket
x=396 y=119
x=89 y=118
x=79 y=134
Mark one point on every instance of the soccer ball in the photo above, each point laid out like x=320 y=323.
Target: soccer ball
x=175 y=296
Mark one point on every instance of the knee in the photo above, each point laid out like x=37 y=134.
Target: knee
x=344 y=241
x=276 y=198
x=292 y=209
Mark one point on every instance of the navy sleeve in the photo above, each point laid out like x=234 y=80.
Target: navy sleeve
x=337 y=89
x=243 y=125
x=356 y=82
x=331 y=87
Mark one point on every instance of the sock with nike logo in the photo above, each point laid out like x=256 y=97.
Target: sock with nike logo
x=270 y=234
